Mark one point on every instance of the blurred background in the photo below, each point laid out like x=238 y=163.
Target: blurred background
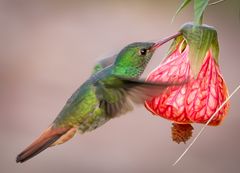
x=48 y=48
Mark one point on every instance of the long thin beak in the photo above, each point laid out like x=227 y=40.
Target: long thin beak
x=163 y=41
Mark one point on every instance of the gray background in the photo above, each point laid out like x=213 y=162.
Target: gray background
x=47 y=49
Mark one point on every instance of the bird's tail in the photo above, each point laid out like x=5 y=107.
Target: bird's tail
x=50 y=137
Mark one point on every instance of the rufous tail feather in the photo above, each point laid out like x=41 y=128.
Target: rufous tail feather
x=50 y=137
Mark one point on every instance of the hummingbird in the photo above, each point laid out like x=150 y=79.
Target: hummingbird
x=110 y=91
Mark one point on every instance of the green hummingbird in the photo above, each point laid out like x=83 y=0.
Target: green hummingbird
x=108 y=93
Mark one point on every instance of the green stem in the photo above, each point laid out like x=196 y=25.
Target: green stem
x=199 y=8
x=200 y=21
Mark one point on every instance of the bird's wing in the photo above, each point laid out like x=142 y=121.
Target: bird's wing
x=139 y=90
x=102 y=64
x=115 y=96
x=113 y=100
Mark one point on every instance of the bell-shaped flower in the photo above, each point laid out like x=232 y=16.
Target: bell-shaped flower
x=193 y=57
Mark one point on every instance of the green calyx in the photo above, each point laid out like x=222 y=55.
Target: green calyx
x=200 y=38
x=174 y=44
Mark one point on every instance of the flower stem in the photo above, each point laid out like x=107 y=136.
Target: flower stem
x=217 y=2
x=199 y=8
x=200 y=21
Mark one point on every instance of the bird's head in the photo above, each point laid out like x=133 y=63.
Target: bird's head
x=133 y=59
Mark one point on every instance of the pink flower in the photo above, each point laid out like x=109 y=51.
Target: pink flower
x=199 y=98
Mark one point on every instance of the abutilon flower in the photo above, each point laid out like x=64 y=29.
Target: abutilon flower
x=193 y=57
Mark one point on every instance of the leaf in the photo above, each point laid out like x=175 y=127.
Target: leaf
x=199 y=7
x=200 y=39
x=184 y=4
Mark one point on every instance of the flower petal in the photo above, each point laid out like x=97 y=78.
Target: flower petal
x=170 y=105
x=195 y=101
x=203 y=101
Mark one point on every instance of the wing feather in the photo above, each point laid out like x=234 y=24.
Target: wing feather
x=116 y=98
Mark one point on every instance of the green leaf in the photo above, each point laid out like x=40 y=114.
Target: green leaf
x=199 y=7
x=200 y=40
x=183 y=4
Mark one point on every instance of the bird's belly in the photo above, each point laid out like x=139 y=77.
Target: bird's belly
x=93 y=121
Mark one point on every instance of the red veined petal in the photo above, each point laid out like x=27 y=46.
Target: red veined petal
x=170 y=105
x=195 y=101
x=206 y=94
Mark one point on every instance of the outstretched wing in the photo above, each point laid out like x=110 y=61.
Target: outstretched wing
x=116 y=94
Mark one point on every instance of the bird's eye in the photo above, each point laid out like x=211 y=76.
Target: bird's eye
x=143 y=51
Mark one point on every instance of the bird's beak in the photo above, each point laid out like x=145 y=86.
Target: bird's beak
x=163 y=41
x=154 y=47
